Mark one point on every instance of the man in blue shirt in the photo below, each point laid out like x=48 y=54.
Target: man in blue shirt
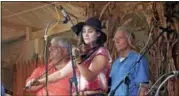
x=124 y=42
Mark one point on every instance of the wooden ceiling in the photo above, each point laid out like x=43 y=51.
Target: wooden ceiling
x=35 y=14
x=28 y=20
x=17 y=16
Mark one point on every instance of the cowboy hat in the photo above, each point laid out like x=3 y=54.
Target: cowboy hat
x=93 y=22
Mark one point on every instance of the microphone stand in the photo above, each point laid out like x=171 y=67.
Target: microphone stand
x=164 y=83
x=46 y=55
x=150 y=90
x=46 y=59
x=74 y=78
x=126 y=79
x=170 y=74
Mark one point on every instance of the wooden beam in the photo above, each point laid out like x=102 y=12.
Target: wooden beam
x=11 y=34
x=12 y=40
x=8 y=34
x=56 y=30
x=19 y=27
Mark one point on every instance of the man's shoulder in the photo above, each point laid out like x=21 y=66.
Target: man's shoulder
x=134 y=55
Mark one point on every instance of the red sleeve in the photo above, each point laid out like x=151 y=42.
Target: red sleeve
x=36 y=73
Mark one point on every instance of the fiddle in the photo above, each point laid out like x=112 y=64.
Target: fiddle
x=79 y=52
x=83 y=52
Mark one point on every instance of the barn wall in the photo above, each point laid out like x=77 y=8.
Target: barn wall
x=12 y=53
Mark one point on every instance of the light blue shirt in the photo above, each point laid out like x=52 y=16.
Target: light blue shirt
x=139 y=75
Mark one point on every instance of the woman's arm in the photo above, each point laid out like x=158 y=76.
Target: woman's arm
x=97 y=65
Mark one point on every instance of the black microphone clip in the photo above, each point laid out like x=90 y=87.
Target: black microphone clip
x=176 y=73
x=168 y=29
x=66 y=17
x=65 y=20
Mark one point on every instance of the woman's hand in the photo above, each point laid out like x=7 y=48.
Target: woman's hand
x=77 y=55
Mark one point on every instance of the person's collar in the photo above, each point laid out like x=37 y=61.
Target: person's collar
x=129 y=54
x=61 y=64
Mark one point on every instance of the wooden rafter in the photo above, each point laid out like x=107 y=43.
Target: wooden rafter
x=19 y=27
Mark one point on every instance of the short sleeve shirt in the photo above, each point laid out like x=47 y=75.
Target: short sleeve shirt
x=138 y=75
x=101 y=81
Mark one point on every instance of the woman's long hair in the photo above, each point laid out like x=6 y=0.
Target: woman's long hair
x=98 y=42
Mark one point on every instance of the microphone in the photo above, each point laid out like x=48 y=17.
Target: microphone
x=64 y=14
x=168 y=29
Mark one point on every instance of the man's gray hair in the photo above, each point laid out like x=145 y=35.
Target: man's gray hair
x=61 y=41
x=125 y=29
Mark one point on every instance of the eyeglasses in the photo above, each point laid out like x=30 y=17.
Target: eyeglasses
x=54 y=47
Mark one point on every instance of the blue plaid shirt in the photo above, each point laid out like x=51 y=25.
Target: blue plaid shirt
x=139 y=75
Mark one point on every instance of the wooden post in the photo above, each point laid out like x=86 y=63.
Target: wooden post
x=28 y=33
x=39 y=46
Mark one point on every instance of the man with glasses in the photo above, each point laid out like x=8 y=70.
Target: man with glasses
x=58 y=60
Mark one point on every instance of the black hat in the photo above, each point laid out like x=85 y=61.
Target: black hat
x=94 y=22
